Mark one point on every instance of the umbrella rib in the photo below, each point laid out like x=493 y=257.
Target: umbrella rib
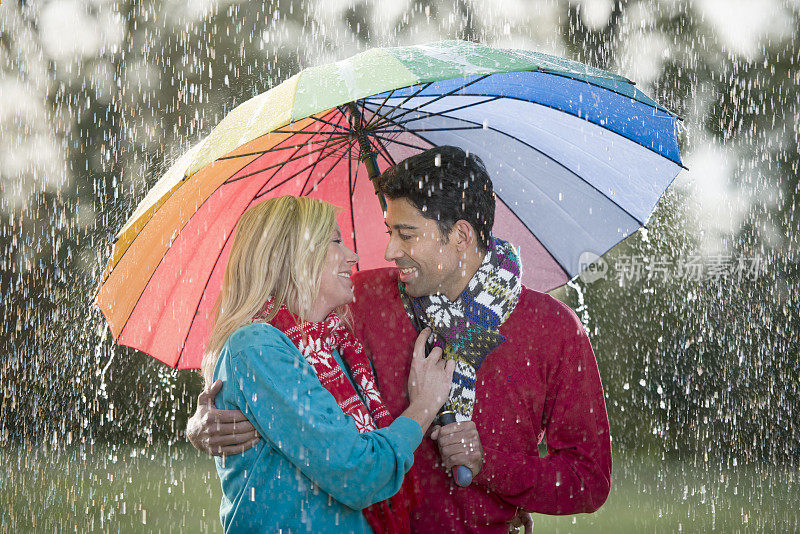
x=346 y=129
x=445 y=95
x=352 y=188
x=354 y=182
x=262 y=193
x=586 y=119
x=581 y=178
x=292 y=158
x=280 y=167
x=200 y=300
x=379 y=117
x=457 y=128
x=383 y=150
x=355 y=175
x=219 y=255
x=378 y=111
x=278 y=148
x=311 y=172
x=161 y=260
x=623 y=210
x=306 y=132
x=378 y=120
x=350 y=170
x=395 y=141
x=281 y=164
x=549 y=253
x=183 y=182
x=438 y=113
x=259 y=153
x=658 y=106
x=345 y=154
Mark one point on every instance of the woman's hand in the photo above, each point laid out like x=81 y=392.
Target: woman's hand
x=428 y=382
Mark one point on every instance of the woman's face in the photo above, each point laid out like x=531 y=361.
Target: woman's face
x=335 y=286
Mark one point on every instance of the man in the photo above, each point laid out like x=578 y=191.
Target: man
x=525 y=367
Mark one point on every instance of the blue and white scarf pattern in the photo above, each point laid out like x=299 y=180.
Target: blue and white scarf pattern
x=467 y=329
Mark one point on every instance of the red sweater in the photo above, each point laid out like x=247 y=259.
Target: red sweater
x=543 y=378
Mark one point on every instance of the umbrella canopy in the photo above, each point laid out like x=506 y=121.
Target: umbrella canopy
x=578 y=157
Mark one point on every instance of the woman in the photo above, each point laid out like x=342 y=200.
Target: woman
x=329 y=447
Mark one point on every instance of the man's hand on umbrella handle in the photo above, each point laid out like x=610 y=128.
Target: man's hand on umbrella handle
x=459 y=444
x=219 y=432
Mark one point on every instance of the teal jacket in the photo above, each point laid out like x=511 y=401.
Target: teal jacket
x=311 y=471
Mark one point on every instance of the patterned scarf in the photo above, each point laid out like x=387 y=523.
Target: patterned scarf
x=316 y=342
x=467 y=329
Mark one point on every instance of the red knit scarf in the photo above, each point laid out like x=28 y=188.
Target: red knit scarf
x=316 y=342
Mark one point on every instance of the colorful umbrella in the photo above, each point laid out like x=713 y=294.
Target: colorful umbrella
x=578 y=156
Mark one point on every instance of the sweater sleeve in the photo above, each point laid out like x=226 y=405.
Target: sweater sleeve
x=575 y=475
x=290 y=408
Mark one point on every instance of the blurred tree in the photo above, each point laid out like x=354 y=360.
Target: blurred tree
x=692 y=362
x=108 y=94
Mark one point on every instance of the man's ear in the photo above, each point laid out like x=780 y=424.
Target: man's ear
x=464 y=235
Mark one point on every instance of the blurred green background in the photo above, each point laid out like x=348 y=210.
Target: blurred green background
x=700 y=367
x=175 y=489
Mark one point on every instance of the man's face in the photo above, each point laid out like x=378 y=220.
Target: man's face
x=427 y=263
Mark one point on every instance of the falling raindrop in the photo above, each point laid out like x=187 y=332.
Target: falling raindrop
x=99 y=98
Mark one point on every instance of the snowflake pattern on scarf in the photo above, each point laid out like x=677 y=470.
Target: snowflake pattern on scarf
x=467 y=329
x=316 y=342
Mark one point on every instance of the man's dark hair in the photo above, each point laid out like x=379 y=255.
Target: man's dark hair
x=445 y=184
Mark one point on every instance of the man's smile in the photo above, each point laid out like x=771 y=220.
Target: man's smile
x=407 y=273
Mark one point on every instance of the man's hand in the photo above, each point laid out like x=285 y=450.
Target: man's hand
x=459 y=444
x=522 y=519
x=219 y=432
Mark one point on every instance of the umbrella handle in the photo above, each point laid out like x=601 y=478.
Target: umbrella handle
x=461 y=473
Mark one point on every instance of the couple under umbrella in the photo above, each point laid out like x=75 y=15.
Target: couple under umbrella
x=521 y=363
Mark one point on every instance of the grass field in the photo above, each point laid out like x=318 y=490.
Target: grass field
x=173 y=489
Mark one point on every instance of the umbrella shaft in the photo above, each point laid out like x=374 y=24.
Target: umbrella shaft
x=368 y=155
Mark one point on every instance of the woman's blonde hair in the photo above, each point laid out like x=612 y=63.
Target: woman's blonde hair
x=278 y=251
